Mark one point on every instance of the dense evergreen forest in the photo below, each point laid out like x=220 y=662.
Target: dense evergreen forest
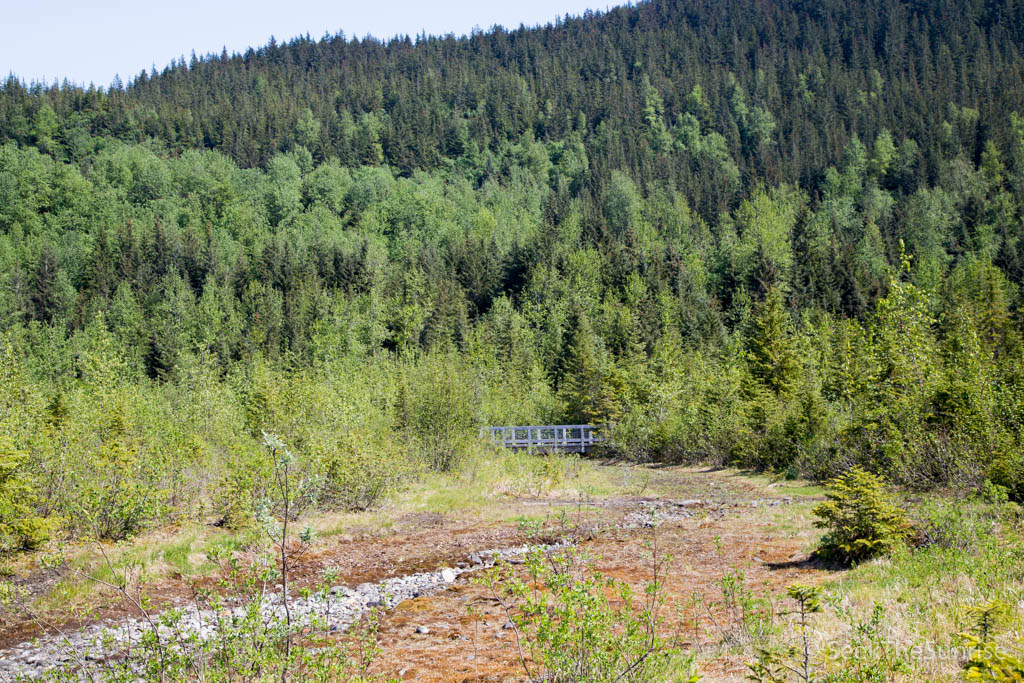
x=784 y=235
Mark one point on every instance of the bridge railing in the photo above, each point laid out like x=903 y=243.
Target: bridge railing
x=579 y=438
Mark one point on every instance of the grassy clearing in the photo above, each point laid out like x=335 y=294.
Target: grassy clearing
x=969 y=552
x=176 y=552
x=485 y=490
x=898 y=617
x=975 y=554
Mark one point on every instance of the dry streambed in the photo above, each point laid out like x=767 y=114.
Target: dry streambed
x=335 y=609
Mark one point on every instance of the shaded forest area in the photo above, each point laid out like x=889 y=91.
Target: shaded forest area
x=785 y=235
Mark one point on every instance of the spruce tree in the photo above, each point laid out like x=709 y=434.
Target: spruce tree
x=591 y=385
x=771 y=351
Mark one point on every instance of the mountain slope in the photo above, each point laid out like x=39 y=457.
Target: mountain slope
x=781 y=235
x=785 y=83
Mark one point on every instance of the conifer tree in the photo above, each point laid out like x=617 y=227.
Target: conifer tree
x=771 y=351
x=591 y=385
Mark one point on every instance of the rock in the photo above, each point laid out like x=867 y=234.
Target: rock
x=100 y=642
x=343 y=591
x=507 y=625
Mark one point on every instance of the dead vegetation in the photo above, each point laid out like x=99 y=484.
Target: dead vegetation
x=732 y=544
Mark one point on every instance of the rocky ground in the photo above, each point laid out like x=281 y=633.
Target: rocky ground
x=335 y=609
x=419 y=573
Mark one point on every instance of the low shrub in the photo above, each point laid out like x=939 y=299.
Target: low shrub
x=861 y=519
x=987 y=660
x=572 y=623
x=1008 y=474
x=437 y=411
x=962 y=525
x=121 y=495
x=867 y=656
x=361 y=470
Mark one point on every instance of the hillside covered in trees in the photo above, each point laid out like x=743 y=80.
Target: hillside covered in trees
x=783 y=235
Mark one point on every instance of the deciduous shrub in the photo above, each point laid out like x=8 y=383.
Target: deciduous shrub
x=437 y=410
x=572 y=623
x=359 y=479
x=120 y=493
x=1008 y=473
x=860 y=517
x=20 y=528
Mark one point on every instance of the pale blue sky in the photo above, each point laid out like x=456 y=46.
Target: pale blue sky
x=87 y=41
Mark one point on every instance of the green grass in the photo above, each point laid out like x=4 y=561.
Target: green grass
x=177 y=554
x=975 y=553
x=977 y=556
x=184 y=552
x=797 y=489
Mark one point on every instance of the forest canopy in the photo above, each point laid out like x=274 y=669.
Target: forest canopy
x=781 y=235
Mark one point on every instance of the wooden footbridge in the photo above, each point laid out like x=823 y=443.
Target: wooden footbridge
x=578 y=438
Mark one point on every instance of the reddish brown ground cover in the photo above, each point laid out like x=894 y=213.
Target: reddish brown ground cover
x=712 y=523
